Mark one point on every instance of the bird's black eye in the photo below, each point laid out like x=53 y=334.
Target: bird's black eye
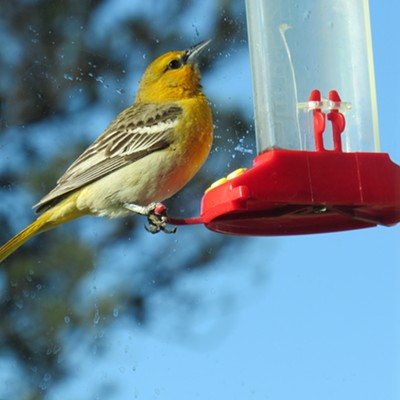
x=174 y=64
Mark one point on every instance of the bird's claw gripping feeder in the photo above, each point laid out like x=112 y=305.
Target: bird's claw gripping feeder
x=318 y=167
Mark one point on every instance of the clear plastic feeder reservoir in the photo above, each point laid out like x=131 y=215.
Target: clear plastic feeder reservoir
x=300 y=45
x=318 y=167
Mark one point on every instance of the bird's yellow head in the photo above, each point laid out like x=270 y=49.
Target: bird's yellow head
x=172 y=76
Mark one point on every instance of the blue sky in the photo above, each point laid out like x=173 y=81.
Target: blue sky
x=307 y=317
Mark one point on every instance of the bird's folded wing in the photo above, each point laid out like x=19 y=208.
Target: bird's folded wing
x=138 y=131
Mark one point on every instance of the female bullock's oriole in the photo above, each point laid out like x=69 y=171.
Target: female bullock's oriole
x=148 y=153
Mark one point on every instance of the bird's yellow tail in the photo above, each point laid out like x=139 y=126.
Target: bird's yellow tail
x=63 y=212
x=38 y=226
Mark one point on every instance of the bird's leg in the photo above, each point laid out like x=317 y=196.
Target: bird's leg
x=142 y=210
x=156 y=214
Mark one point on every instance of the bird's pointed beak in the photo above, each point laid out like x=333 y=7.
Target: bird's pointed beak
x=191 y=55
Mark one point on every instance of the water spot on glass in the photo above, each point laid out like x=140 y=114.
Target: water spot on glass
x=241 y=147
x=98 y=78
x=96 y=317
x=45 y=381
x=196 y=30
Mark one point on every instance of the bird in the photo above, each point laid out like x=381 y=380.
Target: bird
x=146 y=155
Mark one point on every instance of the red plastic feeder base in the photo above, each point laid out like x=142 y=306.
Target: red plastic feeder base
x=290 y=192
